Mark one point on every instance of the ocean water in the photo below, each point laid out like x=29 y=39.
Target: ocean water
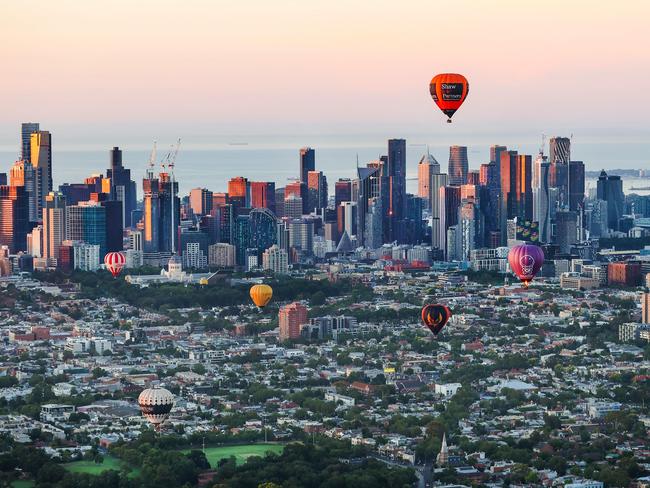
x=211 y=167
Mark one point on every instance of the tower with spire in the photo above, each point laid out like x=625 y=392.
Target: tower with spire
x=443 y=456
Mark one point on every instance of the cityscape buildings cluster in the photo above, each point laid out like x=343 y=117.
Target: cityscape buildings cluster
x=461 y=215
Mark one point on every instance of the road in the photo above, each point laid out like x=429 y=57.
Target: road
x=424 y=473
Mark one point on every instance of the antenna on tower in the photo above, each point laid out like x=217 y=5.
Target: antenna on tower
x=541 y=148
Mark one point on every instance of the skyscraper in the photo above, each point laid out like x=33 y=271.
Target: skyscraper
x=449 y=197
x=54 y=223
x=541 y=197
x=427 y=167
x=559 y=150
x=27 y=129
x=22 y=174
x=458 y=165
x=610 y=189
x=437 y=182
x=299 y=190
x=122 y=187
x=238 y=192
x=469 y=230
x=159 y=236
x=566 y=230
x=14 y=217
x=342 y=191
x=41 y=159
x=576 y=185
x=366 y=187
x=263 y=195
x=516 y=191
x=396 y=172
x=316 y=191
x=307 y=163
x=200 y=201
x=86 y=222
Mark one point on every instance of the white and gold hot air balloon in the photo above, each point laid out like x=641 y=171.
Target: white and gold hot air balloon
x=155 y=404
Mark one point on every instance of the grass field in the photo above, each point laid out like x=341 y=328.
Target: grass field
x=91 y=467
x=23 y=484
x=241 y=453
x=214 y=454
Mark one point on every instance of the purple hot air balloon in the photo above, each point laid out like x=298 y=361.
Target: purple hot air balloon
x=525 y=261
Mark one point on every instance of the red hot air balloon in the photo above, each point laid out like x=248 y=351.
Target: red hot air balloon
x=435 y=317
x=114 y=262
x=449 y=91
x=525 y=261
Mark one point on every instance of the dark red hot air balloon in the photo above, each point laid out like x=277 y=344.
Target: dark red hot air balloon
x=525 y=261
x=449 y=91
x=435 y=317
x=114 y=262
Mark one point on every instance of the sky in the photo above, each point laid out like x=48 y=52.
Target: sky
x=128 y=71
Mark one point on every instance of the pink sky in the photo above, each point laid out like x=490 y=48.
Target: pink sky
x=287 y=65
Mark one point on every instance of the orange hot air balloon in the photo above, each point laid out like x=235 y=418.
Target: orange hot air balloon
x=261 y=295
x=449 y=91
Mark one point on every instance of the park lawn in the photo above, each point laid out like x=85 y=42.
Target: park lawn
x=241 y=453
x=91 y=467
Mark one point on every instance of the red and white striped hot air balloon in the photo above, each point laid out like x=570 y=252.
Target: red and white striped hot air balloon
x=114 y=262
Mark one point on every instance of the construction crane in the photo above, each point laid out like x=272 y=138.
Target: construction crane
x=152 y=161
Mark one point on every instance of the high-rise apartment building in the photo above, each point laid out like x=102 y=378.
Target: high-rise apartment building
x=222 y=255
x=458 y=165
x=276 y=260
x=541 y=197
x=291 y=318
x=438 y=181
x=645 y=308
x=54 y=222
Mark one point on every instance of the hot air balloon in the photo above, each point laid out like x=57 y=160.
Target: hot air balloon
x=525 y=261
x=449 y=91
x=155 y=404
x=435 y=317
x=114 y=262
x=261 y=295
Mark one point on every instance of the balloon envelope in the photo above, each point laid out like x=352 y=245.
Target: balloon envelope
x=525 y=261
x=155 y=404
x=114 y=262
x=435 y=317
x=449 y=91
x=261 y=295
